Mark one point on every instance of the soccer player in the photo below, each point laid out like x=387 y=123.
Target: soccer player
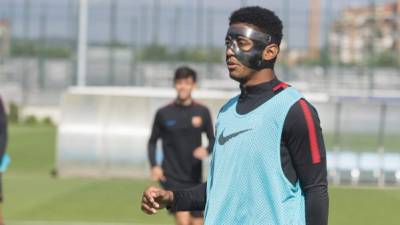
x=269 y=162
x=180 y=125
x=3 y=144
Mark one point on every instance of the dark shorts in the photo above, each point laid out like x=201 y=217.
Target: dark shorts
x=173 y=185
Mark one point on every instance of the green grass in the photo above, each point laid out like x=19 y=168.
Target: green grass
x=31 y=193
x=46 y=199
x=32 y=149
x=364 y=206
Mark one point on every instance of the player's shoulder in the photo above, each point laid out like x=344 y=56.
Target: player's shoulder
x=199 y=105
x=230 y=103
x=294 y=93
x=301 y=108
x=167 y=107
x=289 y=90
x=1 y=104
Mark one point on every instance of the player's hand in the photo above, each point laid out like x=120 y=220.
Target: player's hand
x=200 y=153
x=157 y=173
x=156 y=198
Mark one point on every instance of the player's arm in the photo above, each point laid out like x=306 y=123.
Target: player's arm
x=209 y=129
x=3 y=130
x=303 y=136
x=156 y=171
x=191 y=199
x=202 y=152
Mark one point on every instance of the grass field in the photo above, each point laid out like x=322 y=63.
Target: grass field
x=32 y=196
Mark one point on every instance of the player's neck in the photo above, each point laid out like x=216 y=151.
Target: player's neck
x=260 y=77
x=184 y=102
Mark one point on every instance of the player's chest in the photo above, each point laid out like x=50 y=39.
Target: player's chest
x=251 y=134
x=182 y=121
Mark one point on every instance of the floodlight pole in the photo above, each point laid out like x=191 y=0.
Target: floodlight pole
x=82 y=42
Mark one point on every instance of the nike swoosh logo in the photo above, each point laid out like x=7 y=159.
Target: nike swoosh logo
x=222 y=140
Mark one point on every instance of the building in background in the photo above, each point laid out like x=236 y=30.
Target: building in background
x=5 y=37
x=314 y=29
x=363 y=31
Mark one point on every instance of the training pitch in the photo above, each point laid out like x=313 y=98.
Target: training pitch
x=34 y=197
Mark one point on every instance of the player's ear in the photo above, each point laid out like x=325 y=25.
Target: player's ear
x=270 y=52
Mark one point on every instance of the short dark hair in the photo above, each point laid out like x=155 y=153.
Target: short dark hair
x=185 y=72
x=263 y=19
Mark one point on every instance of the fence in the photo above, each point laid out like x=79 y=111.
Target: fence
x=104 y=131
x=44 y=39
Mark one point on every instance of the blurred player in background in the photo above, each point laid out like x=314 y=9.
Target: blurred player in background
x=3 y=145
x=268 y=164
x=180 y=125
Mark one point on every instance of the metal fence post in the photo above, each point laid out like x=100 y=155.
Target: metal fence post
x=42 y=50
x=113 y=42
x=133 y=80
x=336 y=140
x=381 y=143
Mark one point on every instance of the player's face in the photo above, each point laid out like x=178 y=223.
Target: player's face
x=237 y=70
x=184 y=88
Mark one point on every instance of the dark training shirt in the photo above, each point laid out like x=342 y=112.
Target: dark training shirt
x=180 y=128
x=3 y=130
x=303 y=156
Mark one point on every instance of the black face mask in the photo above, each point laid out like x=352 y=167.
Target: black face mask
x=252 y=57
